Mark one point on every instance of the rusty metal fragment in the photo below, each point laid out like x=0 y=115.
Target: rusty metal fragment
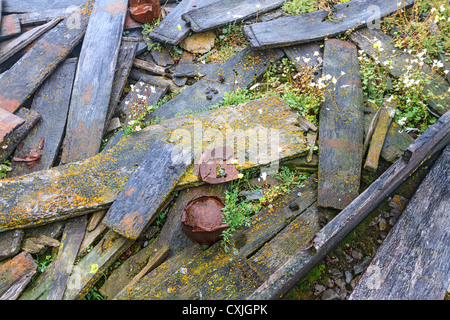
x=145 y=11
x=215 y=166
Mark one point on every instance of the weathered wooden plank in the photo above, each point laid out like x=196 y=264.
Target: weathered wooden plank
x=38 y=17
x=147 y=189
x=8 y=122
x=7 y=50
x=87 y=186
x=222 y=12
x=195 y=70
x=171 y=235
x=149 y=66
x=306 y=56
x=135 y=74
x=319 y=24
x=94 y=80
x=161 y=284
x=10 y=243
x=51 y=101
x=15 y=275
x=33 y=5
x=387 y=113
x=173 y=29
x=413 y=261
x=10 y=26
x=238 y=72
x=68 y=250
x=281 y=281
x=8 y=146
x=365 y=38
x=27 y=74
x=127 y=53
x=341 y=127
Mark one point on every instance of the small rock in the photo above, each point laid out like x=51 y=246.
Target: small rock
x=319 y=289
x=357 y=269
x=330 y=295
x=348 y=276
x=382 y=224
x=357 y=254
x=199 y=42
x=398 y=202
x=366 y=262
x=395 y=213
x=340 y=283
x=354 y=282
x=336 y=273
x=208 y=96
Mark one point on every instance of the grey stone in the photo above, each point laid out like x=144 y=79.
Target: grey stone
x=357 y=269
x=357 y=254
x=330 y=294
x=348 y=276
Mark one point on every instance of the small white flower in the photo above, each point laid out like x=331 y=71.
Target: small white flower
x=258 y=6
x=402 y=121
x=343 y=73
x=334 y=80
x=137 y=128
x=445 y=71
x=306 y=60
x=264 y=176
x=316 y=53
x=127 y=102
x=390 y=98
x=433 y=10
x=442 y=8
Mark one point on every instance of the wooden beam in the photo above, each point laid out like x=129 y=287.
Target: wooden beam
x=40 y=17
x=33 y=5
x=8 y=122
x=10 y=48
x=51 y=101
x=94 y=80
x=365 y=38
x=149 y=66
x=147 y=189
x=316 y=25
x=15 y=275
x=436 y=138
x=413 y=261
x=26 y=75
x=223 y=12
x=82 y=187
x=341 y=130
x=10 y=26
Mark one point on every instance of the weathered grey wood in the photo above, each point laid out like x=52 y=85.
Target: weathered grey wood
x=209 y=266
x=15 y=275
x=387 y=113
x=238 y=72
x=38 y=17
x=8 y=122
x=87 y=186
x=147 y=189
x=10 y=243
x=306 y=57
x=438 y=85
x=7 y=50
x=94 y=80
x=413 y=261
x=37 y=5
x=51 y=101
x=27 y=74
x=195 y=70
x=341 y=127
x=161 y=54
x=8 y=146
x=127 y=53
x=319 y=24
x=70 y=244
x=149 y=66
x=222 y=12
x=173 y=28
x=281 y=281
x=10 y=26
x=135 y=74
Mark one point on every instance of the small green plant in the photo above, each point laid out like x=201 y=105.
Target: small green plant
x=43 y=261
x=4 y=169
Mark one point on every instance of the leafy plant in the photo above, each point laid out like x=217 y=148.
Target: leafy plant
x=4 y=169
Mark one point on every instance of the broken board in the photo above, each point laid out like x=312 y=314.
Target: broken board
x=26 y=75
x=316 y=25
x=34 y=5
x=147 y=189
x=341 y=127
x=222 y=12
x=94 y=80
x=10 y=26
x=413 y=261
x=238 y=72
x=15 y=275
x=51 y=101
x=78 y=188
x=8 y=122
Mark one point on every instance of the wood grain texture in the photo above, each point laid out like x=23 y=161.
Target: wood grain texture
x=147 y=189
x=7 y=50
x=38 y=17
x=15 y=275
x=437 y=84
x=238 y=72
x=94 y=80
x=316 y=25
x=168 y=31
x=222 y=12
x=8 y=122
x=51 y=101
x=341 y=127
x=26 y=75
x=78 y=188
x=10 y=243
x=34 y=5
x=10 y=26
x=413 y=261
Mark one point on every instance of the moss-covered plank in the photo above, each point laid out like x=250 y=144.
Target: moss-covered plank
x=26 y=75
x=89 y=185
x=15 y=275
x=341 y=127
x=399 y=60
x=93 y=82
x=316 y=25
x=240 y=71
x=223 y=12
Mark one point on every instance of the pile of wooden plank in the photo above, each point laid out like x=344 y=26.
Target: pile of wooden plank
x=64 y=69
